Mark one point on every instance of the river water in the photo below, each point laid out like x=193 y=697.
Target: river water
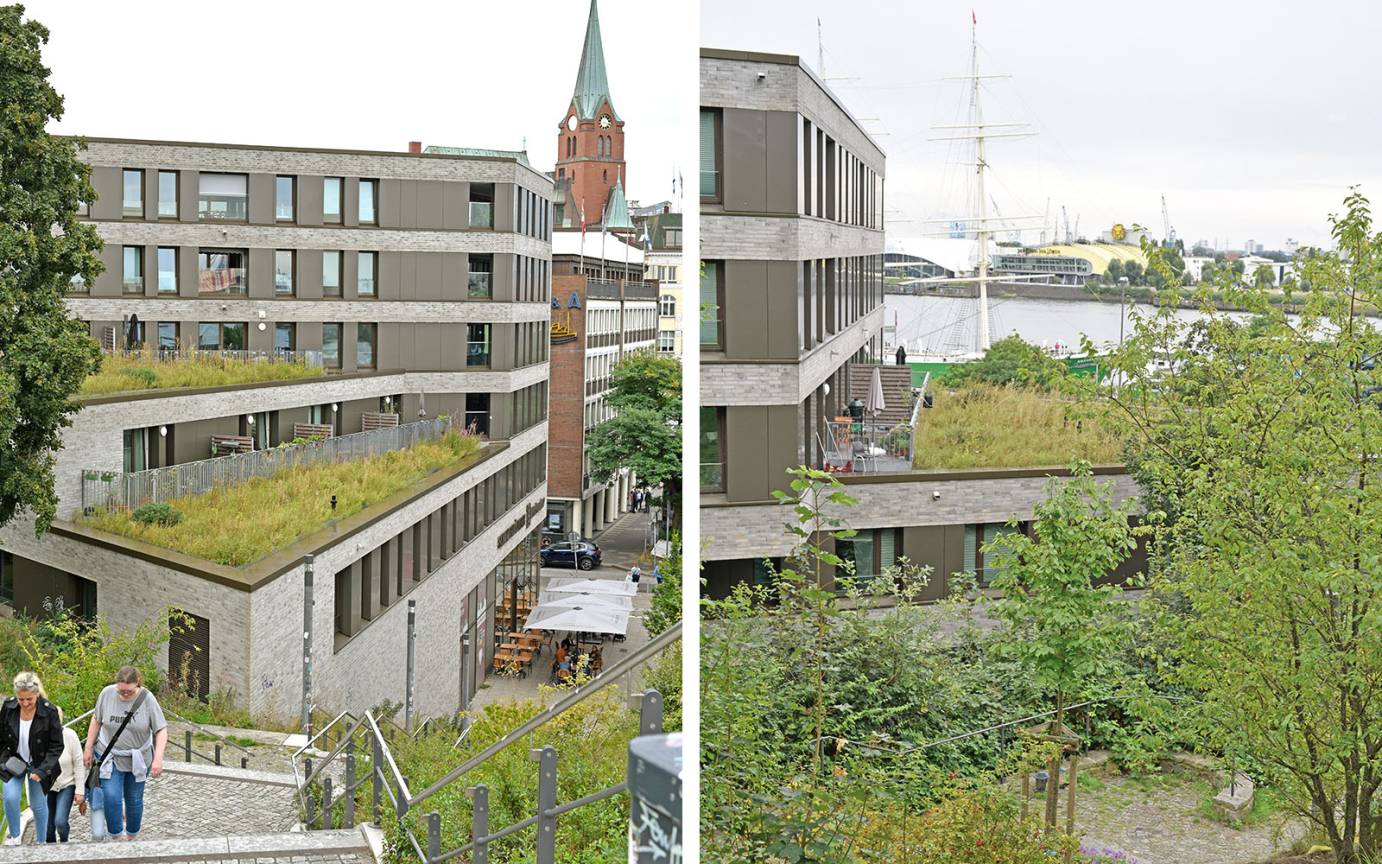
x=949 y=325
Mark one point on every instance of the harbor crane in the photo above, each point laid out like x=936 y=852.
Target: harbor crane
x=1168 y=231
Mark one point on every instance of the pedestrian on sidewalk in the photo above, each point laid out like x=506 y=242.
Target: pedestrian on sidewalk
x=635 y=574
x=69 y=788
x=30 y=747
x=132 y=734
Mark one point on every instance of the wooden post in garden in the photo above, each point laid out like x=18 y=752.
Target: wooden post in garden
x=1070 y=805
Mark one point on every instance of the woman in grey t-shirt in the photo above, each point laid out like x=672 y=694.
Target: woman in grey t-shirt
x=134 y=757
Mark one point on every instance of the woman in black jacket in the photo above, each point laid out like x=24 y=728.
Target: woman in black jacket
x=30 y=731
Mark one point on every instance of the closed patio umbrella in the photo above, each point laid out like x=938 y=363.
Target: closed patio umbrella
x=875 y=404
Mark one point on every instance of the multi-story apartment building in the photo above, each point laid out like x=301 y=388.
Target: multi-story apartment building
x=791 y=192
x=602 y=311
x=664 y=265
x=421 y=283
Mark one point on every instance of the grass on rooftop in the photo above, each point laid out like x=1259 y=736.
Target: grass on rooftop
x=146 y=371
x=985 y=426
x=238 y=524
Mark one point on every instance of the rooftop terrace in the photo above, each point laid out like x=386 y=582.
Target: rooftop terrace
x=985 y=426
x=236 y=523
x=160 y=369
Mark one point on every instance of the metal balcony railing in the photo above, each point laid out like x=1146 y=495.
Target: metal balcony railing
x=115 y=490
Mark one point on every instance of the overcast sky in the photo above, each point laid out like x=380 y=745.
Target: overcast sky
x=1252 y=117
x=370 y=77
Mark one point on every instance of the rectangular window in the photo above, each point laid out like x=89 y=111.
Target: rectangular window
x=133 y=279
x=481 y=205
x=168 y=194
x=477 y=412
x=133 y=193
x=222 y=197
x=221 y=271
x=331 y=346
x=167 y=270
x=477 y=344
x=167 y=336
x=331 y=274
x=208 y=337
x=285 y=198
x=136 y=458
x=712 y=449
x=710 y=157
x=233 y=337
x=368 y=195
x=284 y=272
x=6 y=577
x=331 y=199
x=480 y=281
x=364 y=345
x=666 y=341
x=859 y=551
x=364 y=279
x=712 y=306
x=285 y=339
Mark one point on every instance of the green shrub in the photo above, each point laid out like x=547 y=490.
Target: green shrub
x=76 y=659
x=145 y=377
x=157 y=514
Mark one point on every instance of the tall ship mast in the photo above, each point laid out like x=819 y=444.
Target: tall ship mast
x=979 y=131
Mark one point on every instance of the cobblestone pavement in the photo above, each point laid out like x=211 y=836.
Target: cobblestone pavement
x=179 y=807
x=263 y=755
x=1157 y=820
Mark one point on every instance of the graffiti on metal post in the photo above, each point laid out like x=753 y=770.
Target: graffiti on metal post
x=653 y=837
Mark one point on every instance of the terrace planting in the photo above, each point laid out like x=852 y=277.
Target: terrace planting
x=237 y=524
x=146 y=370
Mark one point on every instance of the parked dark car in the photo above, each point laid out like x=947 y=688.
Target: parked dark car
x=586 y=557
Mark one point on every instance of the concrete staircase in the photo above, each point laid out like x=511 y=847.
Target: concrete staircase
x=897 y=390
x=210 y=813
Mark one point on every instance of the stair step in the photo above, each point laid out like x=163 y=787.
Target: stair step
x=226 y=772
x=305 y=847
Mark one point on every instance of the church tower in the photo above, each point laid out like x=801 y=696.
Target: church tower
x=590 y=138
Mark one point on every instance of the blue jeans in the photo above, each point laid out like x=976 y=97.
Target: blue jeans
x=59 y=811
x=38 y=804
x=124 y=800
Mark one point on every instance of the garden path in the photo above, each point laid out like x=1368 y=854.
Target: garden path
x=1158 y=820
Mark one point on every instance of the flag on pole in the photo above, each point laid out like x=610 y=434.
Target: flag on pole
x=973 y=19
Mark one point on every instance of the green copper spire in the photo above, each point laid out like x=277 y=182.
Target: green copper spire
x=592 y=85
x=616 y=216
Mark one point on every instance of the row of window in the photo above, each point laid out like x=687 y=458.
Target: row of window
x=532 y=279
x=224 y=197
x=391 y=570
x=225 y=272
x=532 y=343
x=528 y=407
x=532 y=214
x=832 y=182
x=832 y=294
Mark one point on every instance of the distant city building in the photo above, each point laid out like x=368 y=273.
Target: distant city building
x=602 y=311
x=1291 y=246
x=661 y=235
x=1071 y=264
x=590 y=140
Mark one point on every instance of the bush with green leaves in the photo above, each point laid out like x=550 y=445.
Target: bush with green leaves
x=157 y=514
x=76 y=659
x=1010 y=360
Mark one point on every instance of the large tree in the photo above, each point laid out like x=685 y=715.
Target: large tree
x=645 y=388
x=1262 y=445
x=44 y=353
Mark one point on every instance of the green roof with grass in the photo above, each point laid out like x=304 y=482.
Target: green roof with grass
x=239 y=524
x=992 y=426
x=145 y=370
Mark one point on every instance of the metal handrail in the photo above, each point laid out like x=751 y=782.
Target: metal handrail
x=580 y=694
x=916 y=412
x=384 y=768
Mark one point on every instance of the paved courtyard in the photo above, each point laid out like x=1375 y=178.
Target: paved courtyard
x=1158 y=820
x=622 y=546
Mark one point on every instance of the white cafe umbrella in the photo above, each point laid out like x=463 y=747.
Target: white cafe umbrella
x=594 y=586
x=875 y=404
x=585 y=598
x=581 y=619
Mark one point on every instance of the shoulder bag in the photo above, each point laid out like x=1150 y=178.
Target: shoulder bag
x=93 y=774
